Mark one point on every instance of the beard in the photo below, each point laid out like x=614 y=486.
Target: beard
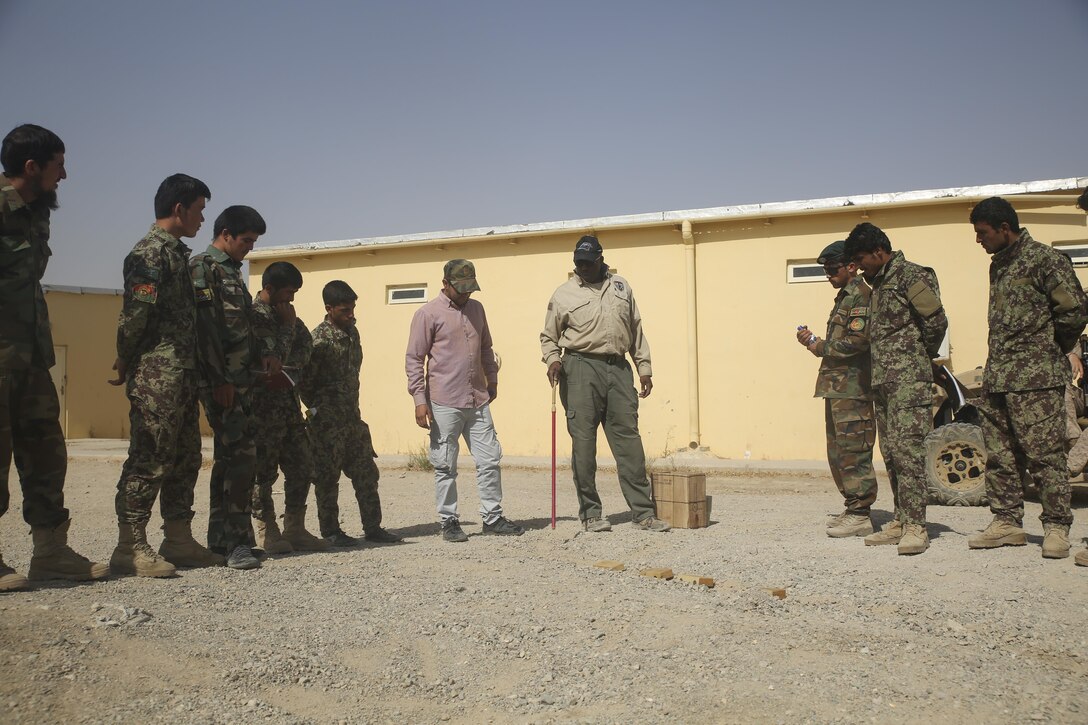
x=48 y=199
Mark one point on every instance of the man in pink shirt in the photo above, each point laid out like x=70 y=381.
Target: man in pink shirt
x=452 y=398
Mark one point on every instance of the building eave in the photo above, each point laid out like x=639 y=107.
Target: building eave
x=768 y=210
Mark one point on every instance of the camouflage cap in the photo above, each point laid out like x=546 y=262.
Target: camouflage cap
x=461 y=275
x=834 y=253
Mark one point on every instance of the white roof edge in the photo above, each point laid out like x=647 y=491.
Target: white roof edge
x=82 y=290
x=672 y=217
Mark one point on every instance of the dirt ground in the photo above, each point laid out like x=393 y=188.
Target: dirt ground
x=527 y=630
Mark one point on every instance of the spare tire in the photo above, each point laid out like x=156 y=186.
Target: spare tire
x=956 y=465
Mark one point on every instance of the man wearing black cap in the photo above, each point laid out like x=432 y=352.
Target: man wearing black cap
x=843 y=383
x=593 y=322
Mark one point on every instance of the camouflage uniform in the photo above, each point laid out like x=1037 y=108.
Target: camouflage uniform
x=906 y=330
x=844 y=383
x=156 y=340
x=29 y=408
x=282 y=440
x=229 y=348
x=1037 y=312
x=341 y=440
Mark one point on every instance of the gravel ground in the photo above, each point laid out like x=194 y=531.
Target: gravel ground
x=527 y=630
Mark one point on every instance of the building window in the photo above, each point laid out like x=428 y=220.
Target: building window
x=406 y=294
x=1077 y=251
x=804 y=272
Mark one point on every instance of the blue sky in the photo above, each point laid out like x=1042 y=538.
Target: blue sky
x=346 y=119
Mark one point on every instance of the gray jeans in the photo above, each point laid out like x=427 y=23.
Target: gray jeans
x=478 y=429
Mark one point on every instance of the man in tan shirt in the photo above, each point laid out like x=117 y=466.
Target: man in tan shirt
x=593 y=322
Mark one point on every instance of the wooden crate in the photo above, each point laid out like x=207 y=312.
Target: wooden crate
x=682 y=487
x=683 y=514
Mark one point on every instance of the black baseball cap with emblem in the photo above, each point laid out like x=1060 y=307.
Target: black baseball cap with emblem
x=587 y=248
x=834 y=253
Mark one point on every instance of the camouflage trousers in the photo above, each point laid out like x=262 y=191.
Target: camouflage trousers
x=163 y=445
x=1024 y=431
x=284 y=444
x=233 y=466
x=342 y=443
x=30 y=430
x=903 y=419
x=851 y=434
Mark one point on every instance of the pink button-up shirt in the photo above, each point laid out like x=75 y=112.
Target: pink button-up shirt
x=456 y=345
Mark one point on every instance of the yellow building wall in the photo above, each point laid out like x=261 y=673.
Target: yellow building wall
x=756 y=382
x=86 y=325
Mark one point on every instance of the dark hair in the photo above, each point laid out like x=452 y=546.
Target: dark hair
x=995 y=211
x=178 y=189
x=866 y=237
x=238 y=219
x=1082 y=201
x=28 y=143
x=281 y=275
x=338 y=292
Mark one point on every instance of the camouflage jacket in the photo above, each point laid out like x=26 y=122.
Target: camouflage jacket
x=907 y=322
x=845 y=370
x=1037 y=312
x=25 y=337
x=331 y=380
x=293 y=346
x=229 y=345
x=158 y=316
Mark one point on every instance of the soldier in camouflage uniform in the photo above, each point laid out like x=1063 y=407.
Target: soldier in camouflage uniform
x=341 y=439
x=907 y=327
x=33 y=162
x=1081 y=558
x=156 y=362
x=843 y=383
x=281 y=436
x=1037 y=312
x=231 y=352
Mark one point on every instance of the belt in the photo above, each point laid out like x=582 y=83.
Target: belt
x=609 y=359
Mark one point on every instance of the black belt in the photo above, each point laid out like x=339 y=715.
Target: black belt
x=609 y=359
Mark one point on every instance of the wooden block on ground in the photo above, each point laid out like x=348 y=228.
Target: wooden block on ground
x=681 y=514
x=657 y=573
x=696 y=579
x=610 y=565
x=776 y=592
x=686 y=487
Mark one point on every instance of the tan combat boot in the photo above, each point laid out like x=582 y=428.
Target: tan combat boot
x=269 y=538
x=11 y=580
x=181 y=549
x=1081 y=559
x=54 y=559
x=1055 y=541
x=890 y=534
x=134 y=555
x=1000 y=532
x=848 y=524
x=295 y=533
x=915 y=539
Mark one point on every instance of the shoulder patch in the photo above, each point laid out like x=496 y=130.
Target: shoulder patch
x=145 y=292
x=922 y=298
x=857 y=312
x=618 y=285
x=857 y=324
x=204 y=296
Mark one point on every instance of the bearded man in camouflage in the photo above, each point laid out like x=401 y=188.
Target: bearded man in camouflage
x=908 y=325
x=33 y=161
x=844 y=384
x=1037 y=312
